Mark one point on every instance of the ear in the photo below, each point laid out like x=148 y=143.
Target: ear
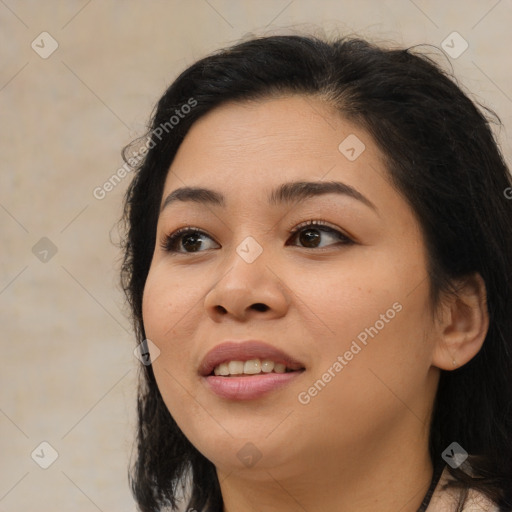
x=463 y=324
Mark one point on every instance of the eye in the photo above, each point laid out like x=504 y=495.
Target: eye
x=187 y=240
x=312 y=234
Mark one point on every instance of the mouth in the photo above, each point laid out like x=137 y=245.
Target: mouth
x=247 y=370
x=247 y=358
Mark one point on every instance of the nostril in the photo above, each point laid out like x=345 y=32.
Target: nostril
x=260 y=307
x=257 y=306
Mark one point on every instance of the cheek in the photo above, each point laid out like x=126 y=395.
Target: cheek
x=375 y=320
x=170 y=314
x=341 y=303
x=168 y=302
x=371 y=372
x=381 y=362
x=169 y=307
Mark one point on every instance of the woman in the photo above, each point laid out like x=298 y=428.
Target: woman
x=318 y=258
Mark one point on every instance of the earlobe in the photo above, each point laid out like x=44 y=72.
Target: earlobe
x=463 y=325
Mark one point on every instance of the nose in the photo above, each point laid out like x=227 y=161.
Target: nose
x=247 y=290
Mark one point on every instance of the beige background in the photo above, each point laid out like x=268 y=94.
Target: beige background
x=67 y=368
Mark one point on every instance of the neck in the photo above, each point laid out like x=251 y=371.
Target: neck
x=390 y=474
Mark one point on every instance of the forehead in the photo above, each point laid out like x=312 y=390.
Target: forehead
x=247 y=149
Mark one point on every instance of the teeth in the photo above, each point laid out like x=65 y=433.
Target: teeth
x=236 y=367
x=267 y=365
x=251 y=367
x=279 y=368
x=222 y=369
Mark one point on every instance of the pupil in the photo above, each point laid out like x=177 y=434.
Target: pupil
x=309 y=237
x=192 y=242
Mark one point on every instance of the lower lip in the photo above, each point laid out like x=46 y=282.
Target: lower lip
x=249 y=387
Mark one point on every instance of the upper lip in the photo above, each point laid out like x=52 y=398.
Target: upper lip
x=244 y=351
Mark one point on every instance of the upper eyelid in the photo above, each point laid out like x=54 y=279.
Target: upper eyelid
x=313 y=222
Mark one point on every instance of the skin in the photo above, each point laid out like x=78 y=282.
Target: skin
x=361 y=442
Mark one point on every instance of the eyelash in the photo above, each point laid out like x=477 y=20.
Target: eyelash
x=169 y=242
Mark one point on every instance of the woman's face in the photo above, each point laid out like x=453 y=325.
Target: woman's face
x=306 y=247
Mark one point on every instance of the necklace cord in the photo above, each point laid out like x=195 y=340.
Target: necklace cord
x=436 y=475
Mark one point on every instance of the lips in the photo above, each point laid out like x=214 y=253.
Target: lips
x=245 y=351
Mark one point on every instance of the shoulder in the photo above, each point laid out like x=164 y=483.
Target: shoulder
x=478 y=502
x=447 y=499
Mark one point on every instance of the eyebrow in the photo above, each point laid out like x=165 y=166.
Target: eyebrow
x=285 y=193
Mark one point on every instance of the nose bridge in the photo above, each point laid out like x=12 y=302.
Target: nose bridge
x=247 y=283
x=249 y=249
x=246 y=264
